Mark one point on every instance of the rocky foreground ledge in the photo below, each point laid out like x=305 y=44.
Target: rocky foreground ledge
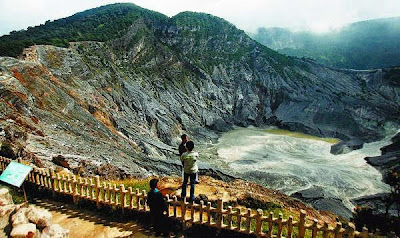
x=21 y=221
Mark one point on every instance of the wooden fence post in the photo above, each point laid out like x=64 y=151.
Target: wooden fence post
x=64 y=183
x=208 y=213
x=364 y=232
x=302 y=224
x=183 y=210
x=110 y=194
x=46 y=178
x=58 y=179
x=201 y=211
x=239 y=219
x=338 y=230
x=130 y=198
x=91 y=190
x=38 y=178
x=97 y=190
x=122 y=193
x=248 y=221
x=229 y=218
x=220 y=205
x=270 y=224
x=314 y=228
x=137 y=199
x=168 y=201
x=42 y=178
x=259 y=222
x=80 y=187
x=325 y=233
x=70 y=189
x=351 y=230
x=53 y=183
x=75 y=188
x=192 y=210
x=144 y=200
x=280 y=226
x=174 y=204
x=290 y=227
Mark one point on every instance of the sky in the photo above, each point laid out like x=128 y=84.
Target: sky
x=314 y=15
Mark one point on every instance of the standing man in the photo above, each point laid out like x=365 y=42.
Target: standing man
x=190 y=169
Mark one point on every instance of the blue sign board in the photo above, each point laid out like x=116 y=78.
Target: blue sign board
x=15 y=173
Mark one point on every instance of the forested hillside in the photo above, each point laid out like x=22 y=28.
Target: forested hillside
x=363 y=45
x=99 y=24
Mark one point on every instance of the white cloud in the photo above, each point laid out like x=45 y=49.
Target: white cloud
x=248 y=15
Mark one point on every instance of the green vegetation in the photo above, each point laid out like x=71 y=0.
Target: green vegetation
x=213 y=41
x=362 y=45
x=207 y=40
x=17 y=194
x=141 y=184
x=98 y=24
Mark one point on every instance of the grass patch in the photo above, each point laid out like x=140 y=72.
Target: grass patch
x=17 y=194
x=301 y=135
x=141 y=184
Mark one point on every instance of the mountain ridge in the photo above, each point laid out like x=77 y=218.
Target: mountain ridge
x=128 y=99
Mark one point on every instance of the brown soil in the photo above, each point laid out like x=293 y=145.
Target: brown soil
x=240 y=190
x=88 y=224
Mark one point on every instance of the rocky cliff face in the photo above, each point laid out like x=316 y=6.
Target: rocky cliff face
x=127 y=101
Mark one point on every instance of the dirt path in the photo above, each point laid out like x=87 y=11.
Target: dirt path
x=89 y=224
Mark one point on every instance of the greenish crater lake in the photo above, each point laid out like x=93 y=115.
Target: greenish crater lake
x=290 y=162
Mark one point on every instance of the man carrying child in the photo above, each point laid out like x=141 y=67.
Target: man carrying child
x=190 y=169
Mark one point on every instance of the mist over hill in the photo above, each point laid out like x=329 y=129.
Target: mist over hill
x=368 y=44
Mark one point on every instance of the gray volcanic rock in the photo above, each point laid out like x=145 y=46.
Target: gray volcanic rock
x=344 y=147
x=125 y=102
x=377 y=203
x=385 y=162
x=388 y=161
x=321 y=200
x=395 y=146
x=390 y=158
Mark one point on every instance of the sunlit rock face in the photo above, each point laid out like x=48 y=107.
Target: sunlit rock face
x=126 y=101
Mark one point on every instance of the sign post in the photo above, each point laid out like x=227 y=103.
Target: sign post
x=15 y=175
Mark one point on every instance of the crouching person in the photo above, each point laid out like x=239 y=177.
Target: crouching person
x=157 y=206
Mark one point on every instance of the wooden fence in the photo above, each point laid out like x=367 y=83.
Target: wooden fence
x=234 y=219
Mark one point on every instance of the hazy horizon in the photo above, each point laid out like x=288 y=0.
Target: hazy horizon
x=296 y=15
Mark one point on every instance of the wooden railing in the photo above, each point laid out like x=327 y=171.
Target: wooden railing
x=235 y=219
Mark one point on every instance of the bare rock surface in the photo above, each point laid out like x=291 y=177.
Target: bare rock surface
x=5 y=197
x=26 y=221
x=55 y=231
x=22 y=231
x=344 y=147
x=323 y=201
x=40 y=217
x=20 y=217
x=5 y=213
x=7 y=207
